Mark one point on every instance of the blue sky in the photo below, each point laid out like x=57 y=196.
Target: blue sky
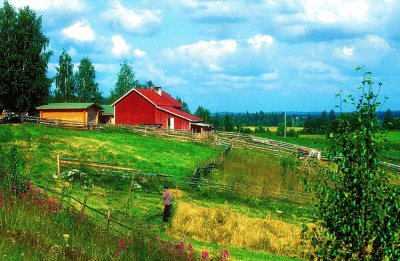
x=233 y=55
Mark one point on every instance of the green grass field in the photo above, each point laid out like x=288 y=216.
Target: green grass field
x=390 y=152
x=38 y=147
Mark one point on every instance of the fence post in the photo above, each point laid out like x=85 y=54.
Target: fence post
x=58 y=166
x=84 y=205
x=263 y=192
x=108 y=217
x=129 y=194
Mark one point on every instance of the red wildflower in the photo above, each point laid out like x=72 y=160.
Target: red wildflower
x=181 y=246
x=190 y=247
x=224 y=255
x=29 y=185
x=205 y=255
x=121 y=245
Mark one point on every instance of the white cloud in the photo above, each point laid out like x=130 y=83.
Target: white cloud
x=139 y=53
x=42 y=5
x=345 y=52
x=158 y=75
x=208 y=52
x=120 y=47
x=260 y=40
x=331 y=12
x=133 y=21
x=80 y=31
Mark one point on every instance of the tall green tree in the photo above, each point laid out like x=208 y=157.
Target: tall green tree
x=358 y=209
x=87 y=89
x=203 y=113
x=23 y=60
x=185 y=106
x=126 y=81
x=388 y=120
x=64 y=79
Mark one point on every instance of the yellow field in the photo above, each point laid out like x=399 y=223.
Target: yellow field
x=274 y=129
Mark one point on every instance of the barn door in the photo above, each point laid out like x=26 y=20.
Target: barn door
x=171 y=123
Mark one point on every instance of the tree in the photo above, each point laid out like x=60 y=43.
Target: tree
x=64 y=79
x=126 y=81
x=358 y=209
x=228 y=123
x=87 y=89
x=388 y=120
x=203 y=114
x=185 y=106
x=23 y=60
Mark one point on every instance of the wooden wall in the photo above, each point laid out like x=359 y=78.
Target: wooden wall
x=135 y=110
x=70 y=115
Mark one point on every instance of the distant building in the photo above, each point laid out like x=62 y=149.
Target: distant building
x=155 y=107
x=87 y=113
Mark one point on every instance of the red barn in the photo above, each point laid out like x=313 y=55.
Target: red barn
x=154 y=107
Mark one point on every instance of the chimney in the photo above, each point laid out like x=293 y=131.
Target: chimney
x=158 y=90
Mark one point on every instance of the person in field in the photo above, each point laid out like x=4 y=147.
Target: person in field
x=167 y=196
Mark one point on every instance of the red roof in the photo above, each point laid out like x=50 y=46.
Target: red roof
x=159 y=100
x=180 y=113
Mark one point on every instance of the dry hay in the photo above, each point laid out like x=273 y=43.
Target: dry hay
x=223 y=226
x=176 y=192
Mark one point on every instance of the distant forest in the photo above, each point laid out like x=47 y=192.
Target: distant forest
x=311 y=122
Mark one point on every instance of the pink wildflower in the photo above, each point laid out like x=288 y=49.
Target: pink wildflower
x=29 y=185
x=205 y=255
x=181 y=246
x=224 y=255
x=121 y=244
x=190 y=247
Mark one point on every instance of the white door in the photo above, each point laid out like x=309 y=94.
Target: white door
x=171 y=123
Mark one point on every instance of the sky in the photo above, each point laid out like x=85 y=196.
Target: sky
x=233 y=55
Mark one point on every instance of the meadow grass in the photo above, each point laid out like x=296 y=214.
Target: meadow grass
x=37 y=227
x=390 y=152
x=39 y=145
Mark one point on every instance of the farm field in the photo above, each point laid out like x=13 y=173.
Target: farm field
x=38 y=147
x=390 y=153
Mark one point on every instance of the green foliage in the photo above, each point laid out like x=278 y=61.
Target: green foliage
x=389 y=122
x=23 y=60
x=87 y=89
x=64 y=79
x=203 y=113
x=359 y=211
x=126 y=81
x=185 y=106
x=11 y=177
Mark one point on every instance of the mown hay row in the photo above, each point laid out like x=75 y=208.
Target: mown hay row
x=223 y=226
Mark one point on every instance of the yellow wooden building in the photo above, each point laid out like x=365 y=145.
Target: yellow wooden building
x=87 y=113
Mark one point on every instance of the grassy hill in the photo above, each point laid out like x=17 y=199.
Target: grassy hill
x=38 y=147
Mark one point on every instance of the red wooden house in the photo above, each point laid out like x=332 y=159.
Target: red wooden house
x=154 y=107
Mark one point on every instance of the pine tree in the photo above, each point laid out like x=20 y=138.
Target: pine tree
x=185 y=106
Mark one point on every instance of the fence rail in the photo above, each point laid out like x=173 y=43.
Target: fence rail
x=147 y=130
x=198 y=180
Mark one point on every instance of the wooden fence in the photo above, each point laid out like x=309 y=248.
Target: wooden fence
x=236 y=140
x=269 y=146
x=147 y=130
x=104 y=217
x=198 y=180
